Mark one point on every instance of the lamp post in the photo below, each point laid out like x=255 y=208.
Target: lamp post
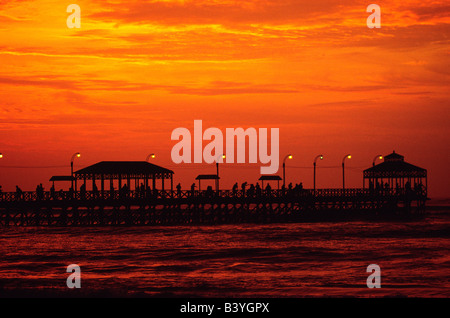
x=315 y=161
x=152 y=155
x=219 y=159
x=289 y=156
x=343 y=170
x=77 y=154
x=375 y=159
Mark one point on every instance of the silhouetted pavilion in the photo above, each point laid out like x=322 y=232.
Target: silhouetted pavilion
x=395 y=173
x=207 y=177
x=124 y=171
x=270 y=178
x=61 y=178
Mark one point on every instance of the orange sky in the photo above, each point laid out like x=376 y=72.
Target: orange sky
x=116 y=88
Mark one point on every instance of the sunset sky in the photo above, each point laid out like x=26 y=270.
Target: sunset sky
x=116 y=88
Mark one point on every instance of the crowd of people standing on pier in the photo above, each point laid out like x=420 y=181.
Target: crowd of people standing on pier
x=143 y=191
x=246 y=190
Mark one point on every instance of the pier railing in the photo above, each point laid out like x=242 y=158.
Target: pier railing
x=341 y=194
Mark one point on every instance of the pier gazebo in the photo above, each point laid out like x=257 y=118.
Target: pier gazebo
x=124 y=171
x=270 y=178
x=61 y=178
x=395 y=173
x=201 y=177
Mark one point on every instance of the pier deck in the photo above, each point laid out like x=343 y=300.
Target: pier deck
x=64 y=208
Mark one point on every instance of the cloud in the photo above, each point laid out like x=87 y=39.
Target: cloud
x=428 y=12
x=212 y=88
x=224 y=12
x=46 y=81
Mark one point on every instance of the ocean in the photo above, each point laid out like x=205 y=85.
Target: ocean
x=327 y=259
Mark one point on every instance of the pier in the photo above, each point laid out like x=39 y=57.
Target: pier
x=167 y=207
x=396 y=190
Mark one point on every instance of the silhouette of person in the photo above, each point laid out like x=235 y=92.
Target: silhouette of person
x=258 y=189
x=52 y=191
x=141 y=190
x=71 y=193
x=83 y=191
x=235 y=188
x=408 y=185
x=123 y=192
x=209 y=191
x=179 y=190
x=420 y=188
x=268 y=189
x=19 y=193
x=40 y=191
x=193 y=189
x=251 y=191
x=243 y=186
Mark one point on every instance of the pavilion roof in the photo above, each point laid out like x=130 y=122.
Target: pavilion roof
x=207 y=177
x=124 y=169
x=270 y=177
x=394 y=166
x=62 y=178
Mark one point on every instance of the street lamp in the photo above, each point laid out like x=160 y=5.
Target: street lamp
x=289 y=156
x=78 y=155
x=1 y=155
x=152 y=155
x=315 y=160
x=343 y=172
x=375 y=159
x=219 y=159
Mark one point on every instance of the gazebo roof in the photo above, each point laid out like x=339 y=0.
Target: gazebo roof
x=207 y=177
x=269 y=177
x=62 y=178
x=124 y=169
x=394 y=157
x=394 y=166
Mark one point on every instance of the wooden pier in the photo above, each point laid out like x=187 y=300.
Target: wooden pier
x=162 y=207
